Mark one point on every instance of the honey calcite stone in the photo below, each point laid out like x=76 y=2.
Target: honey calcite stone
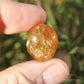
x=42 y=42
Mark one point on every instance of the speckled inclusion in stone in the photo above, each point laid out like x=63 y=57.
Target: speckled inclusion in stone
x=42 y=42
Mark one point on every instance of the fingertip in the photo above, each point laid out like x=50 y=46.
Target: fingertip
x=21 y=17
x=54 y=71
x=57 y=73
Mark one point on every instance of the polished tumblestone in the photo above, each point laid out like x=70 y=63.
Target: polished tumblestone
x=42 y=42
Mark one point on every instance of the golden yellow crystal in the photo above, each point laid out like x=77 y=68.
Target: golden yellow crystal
x=42 y=42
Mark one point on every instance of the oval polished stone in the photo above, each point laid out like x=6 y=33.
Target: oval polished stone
x=42 y=42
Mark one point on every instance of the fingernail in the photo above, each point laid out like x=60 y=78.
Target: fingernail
x=56 y=74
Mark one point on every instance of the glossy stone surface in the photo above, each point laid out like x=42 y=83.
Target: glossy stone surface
x=42 y=42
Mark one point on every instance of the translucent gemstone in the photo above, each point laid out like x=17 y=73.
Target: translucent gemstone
x=42 y=42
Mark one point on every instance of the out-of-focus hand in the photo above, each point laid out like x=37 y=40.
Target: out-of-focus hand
x=16 y=18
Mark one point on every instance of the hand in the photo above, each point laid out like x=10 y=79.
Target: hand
x=16 y=18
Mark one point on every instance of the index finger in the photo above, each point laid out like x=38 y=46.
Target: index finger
x=17 y=17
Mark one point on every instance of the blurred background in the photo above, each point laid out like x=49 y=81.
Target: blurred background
x=66 y=17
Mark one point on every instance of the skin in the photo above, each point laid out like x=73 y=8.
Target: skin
x=17 y=18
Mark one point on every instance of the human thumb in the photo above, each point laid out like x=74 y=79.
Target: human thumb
x=54 y=71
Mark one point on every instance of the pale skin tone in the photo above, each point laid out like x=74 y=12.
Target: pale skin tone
x=17 y=17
